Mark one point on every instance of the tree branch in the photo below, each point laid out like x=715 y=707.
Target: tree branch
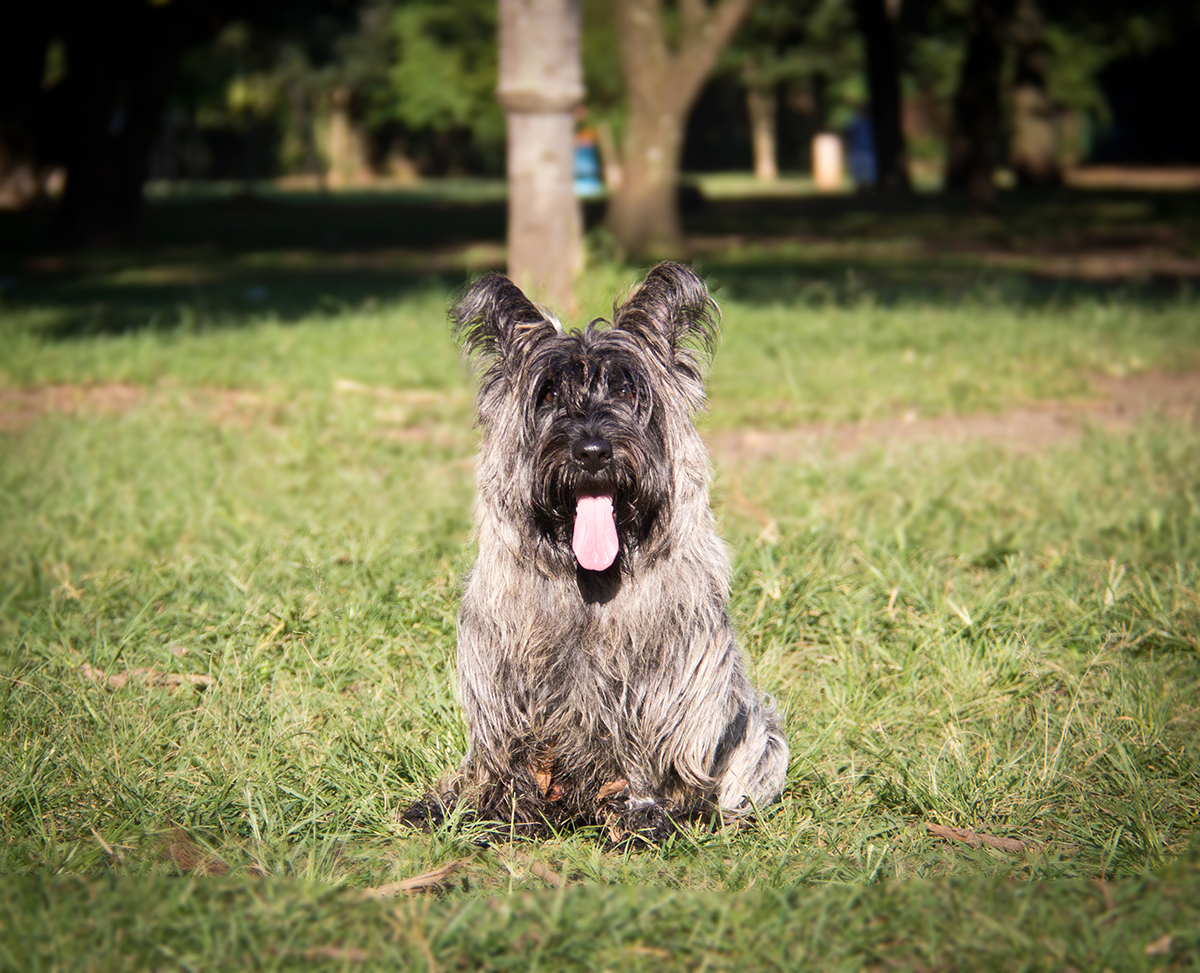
x=705 y=34
x=692 y=13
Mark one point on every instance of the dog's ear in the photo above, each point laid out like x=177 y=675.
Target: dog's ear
x=671 y=311
x=493 y=320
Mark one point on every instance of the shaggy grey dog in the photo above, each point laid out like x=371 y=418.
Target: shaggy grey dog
x=600 y=677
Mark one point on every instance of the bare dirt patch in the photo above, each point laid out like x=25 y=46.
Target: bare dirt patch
x=1120 y=404
x=403 y=415
x=20 y=407
x=1178 y=178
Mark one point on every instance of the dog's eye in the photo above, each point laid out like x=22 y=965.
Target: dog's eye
x=548 y=395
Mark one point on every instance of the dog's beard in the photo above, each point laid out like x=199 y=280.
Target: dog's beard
x=594 y=519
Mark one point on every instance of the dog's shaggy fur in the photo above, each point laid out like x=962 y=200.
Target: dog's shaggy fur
x=613 y=693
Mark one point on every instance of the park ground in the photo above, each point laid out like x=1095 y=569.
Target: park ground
x=957 y=462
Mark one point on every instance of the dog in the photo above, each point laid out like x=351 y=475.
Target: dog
x=600 y=677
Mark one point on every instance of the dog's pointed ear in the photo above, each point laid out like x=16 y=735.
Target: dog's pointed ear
x=494 y=321
x=671 y=311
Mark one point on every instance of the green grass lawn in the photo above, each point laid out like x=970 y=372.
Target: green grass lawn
x=277 y=514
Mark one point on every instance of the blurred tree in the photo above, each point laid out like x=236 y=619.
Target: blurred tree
x=26 y=77
x=121 y=56
x=1047 y=56
x=1085 y=41
x=933 y=44
x=876 y=21
x=98 y=110
x=540 y=82
x=766 y=53
x=1033 y=150
x=83 y=86
x=974 y=145
x=294 y=87
x=444 y=74
x=664 y=62
x=603 y=84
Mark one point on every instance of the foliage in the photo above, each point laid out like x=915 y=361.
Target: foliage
x=445 y=70
x=428 y=67
x=601 y=59
x=811 y=49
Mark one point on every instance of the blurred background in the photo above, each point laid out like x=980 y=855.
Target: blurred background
x=106 y=105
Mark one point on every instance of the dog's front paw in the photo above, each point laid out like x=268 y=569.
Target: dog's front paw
x=428 y=814
x=641 y=823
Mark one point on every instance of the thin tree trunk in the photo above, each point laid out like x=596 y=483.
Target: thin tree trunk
x=760 y=106
x=27 y=32
x=610 y=158
x=883 y=81
x=347 y=153
x=661 y=87
x=1033 y=146
x=975 y=126
x=541 y=81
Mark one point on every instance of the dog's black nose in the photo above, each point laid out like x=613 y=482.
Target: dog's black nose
x=593 y=454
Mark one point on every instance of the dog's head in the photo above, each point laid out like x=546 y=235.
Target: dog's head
x=591 y=419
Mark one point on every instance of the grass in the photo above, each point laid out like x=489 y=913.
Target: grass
x=912 y=926
x=971 y=636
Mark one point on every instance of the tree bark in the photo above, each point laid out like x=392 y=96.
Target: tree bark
x=883 y=82
x=975 y=126
x=760 y=106
x=541 y=81
x=661 y=86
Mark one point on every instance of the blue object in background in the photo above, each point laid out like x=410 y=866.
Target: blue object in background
x=860 y=151
x=587 y=170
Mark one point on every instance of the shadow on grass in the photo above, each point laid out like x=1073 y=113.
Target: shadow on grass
x=1037 y=249
x=224 y=262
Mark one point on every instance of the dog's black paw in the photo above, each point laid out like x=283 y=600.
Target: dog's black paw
x=427 y=814
x=640 y=825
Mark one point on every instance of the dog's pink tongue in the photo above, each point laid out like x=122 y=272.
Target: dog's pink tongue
x=595 y=539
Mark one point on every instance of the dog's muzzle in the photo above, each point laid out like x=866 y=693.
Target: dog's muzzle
x=594 y=539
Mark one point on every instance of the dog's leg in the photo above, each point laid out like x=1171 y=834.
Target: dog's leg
x=756 y=767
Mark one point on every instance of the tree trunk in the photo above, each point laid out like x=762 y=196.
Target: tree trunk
x=975 y=127
x=541 y=81
x=760 y=106
x=661 y=85
x=643 y=214
x=347 y=153
x=883 y=82
x=1033 y=146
